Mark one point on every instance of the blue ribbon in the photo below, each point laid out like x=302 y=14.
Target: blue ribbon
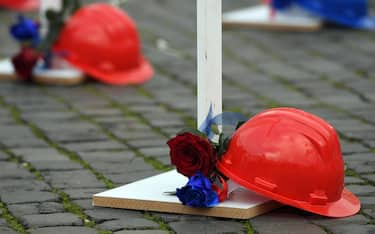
x=225 y=118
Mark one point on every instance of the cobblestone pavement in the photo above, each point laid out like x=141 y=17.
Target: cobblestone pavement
x=60 y=145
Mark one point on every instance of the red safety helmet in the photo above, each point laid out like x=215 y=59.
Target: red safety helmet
x=292 y=157
x=20 y=5
x=103 y=41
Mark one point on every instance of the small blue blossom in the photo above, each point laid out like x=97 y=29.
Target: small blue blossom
x=281 y=4
x=25 y=30
x=198 y=192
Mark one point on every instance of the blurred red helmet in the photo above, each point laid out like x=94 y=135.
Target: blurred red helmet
x=20 y=5
x=103 y=41
x=292 y=157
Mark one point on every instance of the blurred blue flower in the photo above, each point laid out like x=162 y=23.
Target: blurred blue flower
x=25 y=30
x=198 y=192
x=281 y=4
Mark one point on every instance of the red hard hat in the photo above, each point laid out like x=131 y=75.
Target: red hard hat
x=292 y=157
x=20 y=5
x=103 y=41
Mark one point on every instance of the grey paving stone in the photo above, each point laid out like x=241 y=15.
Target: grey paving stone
x=85 y=204
x=352 y=180
x=3 y=156
x=210 y=226
x=73 y=179
x=155 y=151
x=51 y=220
x=24 y=209
x=56 y=166
x=369 y=210
x=351 y=228
x=11 y=170
x=9 y=185
x=7 y=230
x=145 y=143
x=63 y=230
x=166 y=217
x=24 y=196
x=40 y=154
x=142 y=232
x=50 y=207
x=367 y=201
x=124 y=178
x=73 y=135
x=35 y=208
x=351 y=147
x=102 y=112
x=361 y=189
x=134 y=134
x=94 y=146
x=105 y=156
x=329 y=223
x=370 y=177
x=77 y=126
x=100 y=214
x=24 y=142
x=128 y=223
x=51 y=115
x=284 y=223
x=82 y=193
x=15 y=130
x=135 y=165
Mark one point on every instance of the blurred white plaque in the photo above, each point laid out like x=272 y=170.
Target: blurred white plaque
x=261 y=16
x=7 y=70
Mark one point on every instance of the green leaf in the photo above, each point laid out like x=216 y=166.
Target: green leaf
x=239 y=124
x=215 y=129
x=222 y=145
x=51 y=15
x=226 y=143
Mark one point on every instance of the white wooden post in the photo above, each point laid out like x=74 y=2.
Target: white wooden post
x=209 y=44
x=44 y=6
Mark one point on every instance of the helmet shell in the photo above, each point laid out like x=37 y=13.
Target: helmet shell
x=293 y=157
x=103 y=41
x=20 y=5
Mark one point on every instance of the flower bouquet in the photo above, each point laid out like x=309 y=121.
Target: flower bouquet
x=36 y=60
x=195 y=154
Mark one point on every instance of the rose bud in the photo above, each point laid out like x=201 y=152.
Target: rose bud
x=191 y=153
x=25 y=61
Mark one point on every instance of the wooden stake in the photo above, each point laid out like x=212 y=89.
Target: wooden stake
x=209 y=53
x=44 y=6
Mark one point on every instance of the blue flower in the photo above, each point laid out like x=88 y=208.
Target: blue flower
x=198 y=192
x=25 y=30
x=281 y=4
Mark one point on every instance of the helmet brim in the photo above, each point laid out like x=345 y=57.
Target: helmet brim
x=24 y=6
x=347 y=205
x=137 y=75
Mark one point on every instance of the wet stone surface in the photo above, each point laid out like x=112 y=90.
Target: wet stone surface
x=61 y=145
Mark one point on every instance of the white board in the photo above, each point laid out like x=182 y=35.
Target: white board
x=7 y=70
x=149 y=194
x=260 y=16
x=62 y=76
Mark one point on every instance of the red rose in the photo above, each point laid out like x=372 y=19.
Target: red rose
x=24 y=62
x=191 y=153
